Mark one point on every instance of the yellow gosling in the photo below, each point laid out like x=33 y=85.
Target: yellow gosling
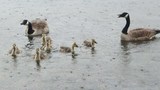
x=43 y=39
x=48 y=46
x=14 y=51
x=38 y=56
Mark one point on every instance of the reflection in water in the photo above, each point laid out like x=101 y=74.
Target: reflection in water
x=125 y=53
x=15 y=62
x=74 y=60
x=38 y=67
x=74 y=55
x=93 y=52
x=30 y=39
x=127 y=46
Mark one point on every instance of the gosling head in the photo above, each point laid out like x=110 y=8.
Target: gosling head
x=94 y=41
x=75 y=45
x=14 y=46
x=123 y=15
x=25 y=22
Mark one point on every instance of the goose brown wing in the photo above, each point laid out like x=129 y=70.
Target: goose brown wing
x=39 y=24
x=140 y=32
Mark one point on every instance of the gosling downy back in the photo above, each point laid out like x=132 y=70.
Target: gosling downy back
x=88 y=43
x=39 y=55
x=68 y=49
x=48 y=46
x=139 y=34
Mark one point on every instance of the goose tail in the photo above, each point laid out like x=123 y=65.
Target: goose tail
x=157 y=31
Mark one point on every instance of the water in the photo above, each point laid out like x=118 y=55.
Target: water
x=113 y=65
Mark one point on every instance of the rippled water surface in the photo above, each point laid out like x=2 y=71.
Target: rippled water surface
x=113 y=65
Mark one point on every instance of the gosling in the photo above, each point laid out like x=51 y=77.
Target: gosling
x=14 y=51
x=38 y=56
x=90 y=43
x=48 y=46
x=68 y=49
x=44 y=40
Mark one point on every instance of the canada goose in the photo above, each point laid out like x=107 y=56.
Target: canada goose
x=36 y=27
x=68 y=49
x=14 y=51
x=91 y=43
x=139 y=34
x=38 y=56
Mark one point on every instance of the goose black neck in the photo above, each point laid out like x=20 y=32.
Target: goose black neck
x=30 y=30
x=125 y=29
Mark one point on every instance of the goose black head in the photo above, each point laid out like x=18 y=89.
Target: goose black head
x=25 y=22
x=123 y=15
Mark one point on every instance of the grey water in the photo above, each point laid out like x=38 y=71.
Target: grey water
x=114 y=65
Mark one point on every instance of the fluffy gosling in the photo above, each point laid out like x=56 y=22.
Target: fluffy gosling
x=38 y=56
x=14 y=51
x=68 y=49
x=48 y=46
x=90 y=43
x=44 y=41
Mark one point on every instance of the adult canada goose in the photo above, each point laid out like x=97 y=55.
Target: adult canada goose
x=36 y=27
x=91 y=43
x=68 y=49
x=38 y=56
x=139 y=34
x=14 y=51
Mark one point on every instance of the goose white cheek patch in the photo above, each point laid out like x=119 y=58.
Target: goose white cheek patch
x=27 y=23
x=126 y=16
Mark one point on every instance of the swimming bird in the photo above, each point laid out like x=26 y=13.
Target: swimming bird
x=139 y=34
x=14 y=51
x=68 y=49
x=36 y=27
x=47 y=47
x=43 y=39
x=38 y=56
x=91 y=43
x=46 y=42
